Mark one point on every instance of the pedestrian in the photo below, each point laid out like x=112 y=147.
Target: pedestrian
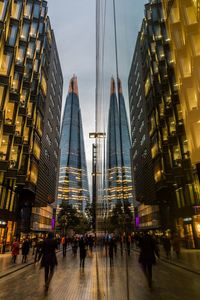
x=83 y=251
x=167 y=246
x=25 y=250
x=111 y=250
x=147 y=257
x=49 y=260
x=64 y=245
x=15 y=250
x=176 y=245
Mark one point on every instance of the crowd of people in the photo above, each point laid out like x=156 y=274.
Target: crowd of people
x=44 y=249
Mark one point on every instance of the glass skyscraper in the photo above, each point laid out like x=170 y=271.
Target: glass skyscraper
x=119 y=180
x=73 y=180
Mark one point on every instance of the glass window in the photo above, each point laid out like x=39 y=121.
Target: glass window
x=44 y=84
x=12 y=35
x=16 y=9
x=2 y=88
x=43 y=12
x=33 y=31
x=9 y=113
x=25 y=31
x=34 y=173
x=14 y=157
x=6 y=64
x=30 y=50
x=20 y=55
x=41 y=28
x=26 y=134
x=19 y=125
x=24 y=97
x=36 y=65
x=28 y=10
x=15 y=82
x=38 y=46
x=36 y=11
x=30 y=109
x=39 y=124
x=36 y=149
x=3 y=7
x=4 y=146
x=28 y=71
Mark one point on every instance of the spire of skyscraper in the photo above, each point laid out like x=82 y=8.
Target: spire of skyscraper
x=73 y=180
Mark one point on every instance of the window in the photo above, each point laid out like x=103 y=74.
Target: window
x=6 y=64
x=28 y=10
x=20 y=55
x=31 y=50
x=39 y=124
x=25 y=31
x=36 y=149
x=50 y=126
x=15 y=82
x=9 y=113
x=33 y=31
x=44 y=84
x=19 y=125
x=36 y=11
x=12 y=35
x=14 y=157
x=41 y=28
x=3 y=7
x=34 y=173
x=4 y=147
x=16 y=9
x=2 y=88
x=38 y=46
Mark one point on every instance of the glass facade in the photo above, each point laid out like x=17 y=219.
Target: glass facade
x=119 y=180
x=73 y=180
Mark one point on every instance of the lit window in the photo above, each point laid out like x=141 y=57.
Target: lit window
x=3 y=7
x=28 y=10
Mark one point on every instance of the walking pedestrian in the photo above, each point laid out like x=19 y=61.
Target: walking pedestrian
x=167 y=246
x=111 y=250
x=83 y=251
x=147 y=257
x=25 y=250
x=15 y=250
x=176 y=245
x=64 y=245
x=49 y=260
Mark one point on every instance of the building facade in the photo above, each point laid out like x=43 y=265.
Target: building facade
x=73 y=179
x=119 y=186
x=175 y=181
x=27 y=43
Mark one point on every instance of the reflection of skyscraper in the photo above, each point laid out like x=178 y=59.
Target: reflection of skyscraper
x=73 y=180
x=119 y=181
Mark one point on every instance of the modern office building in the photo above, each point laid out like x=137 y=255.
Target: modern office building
x=27 y=49
x=119 y=186
x=73 y=180
x=176 y=184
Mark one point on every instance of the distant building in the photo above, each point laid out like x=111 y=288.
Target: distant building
x=118 y=167
x=73 y=179
x=30 y=87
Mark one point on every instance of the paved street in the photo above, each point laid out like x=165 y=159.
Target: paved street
x=99 y=281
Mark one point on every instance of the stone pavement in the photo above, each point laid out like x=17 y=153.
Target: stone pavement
x=98 y=281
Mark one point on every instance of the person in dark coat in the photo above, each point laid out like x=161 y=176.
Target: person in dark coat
x=147 y=257
x=83 y=251
x=49 y=260
x=111 y=246
x=167 y=246
x=25 y=250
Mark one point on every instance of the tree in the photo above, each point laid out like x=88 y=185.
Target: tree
x=70 y=218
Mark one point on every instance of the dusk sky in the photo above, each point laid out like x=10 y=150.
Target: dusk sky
x=73 y=22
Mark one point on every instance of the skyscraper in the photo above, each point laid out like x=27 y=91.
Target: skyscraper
x=27 y=48
x=73 y=179
x=119 y=181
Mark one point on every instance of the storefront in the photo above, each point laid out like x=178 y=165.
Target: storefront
x=7 y=231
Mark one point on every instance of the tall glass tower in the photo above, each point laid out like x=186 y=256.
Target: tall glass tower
x=73 y=180
x=119 y=180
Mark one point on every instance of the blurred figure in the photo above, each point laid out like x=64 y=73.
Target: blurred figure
x=25 y=250
x=15 y=250
x=90 y=243
x=147 y=257
x=83 y=251
x=111 y=250
x=74 y=246
x=167 y=246
x=64 y=245
x=49 y=259
x=176 y=245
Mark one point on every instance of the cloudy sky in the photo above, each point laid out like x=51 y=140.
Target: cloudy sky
x=73 y=22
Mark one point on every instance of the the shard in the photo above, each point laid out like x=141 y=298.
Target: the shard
x=119 y=180
x=73 y=179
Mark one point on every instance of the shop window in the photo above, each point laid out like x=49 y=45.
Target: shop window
x=20 y=55
x=28 y=10
x=12 y=35
x=25 y=32
x=4 y=147
x=6 y=64
x=3 y=7
x=9 y=113
x=16 y=9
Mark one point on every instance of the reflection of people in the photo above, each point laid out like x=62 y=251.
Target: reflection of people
x=15 y=250
x=49 y=260
x=148 y=250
